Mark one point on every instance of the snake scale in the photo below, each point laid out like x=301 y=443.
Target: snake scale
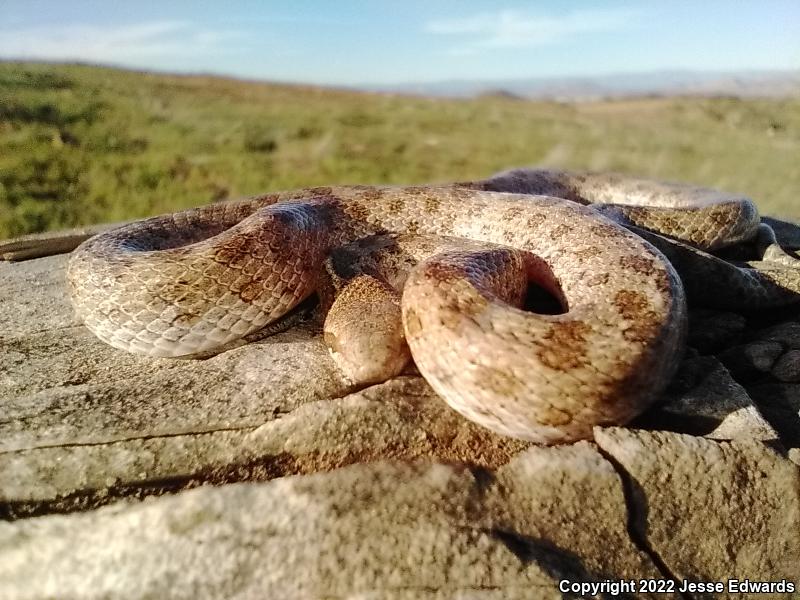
x=441 y=273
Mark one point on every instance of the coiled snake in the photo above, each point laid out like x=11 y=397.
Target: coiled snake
x=464 y=255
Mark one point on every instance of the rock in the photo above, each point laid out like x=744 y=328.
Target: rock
x=382 y=530
x=780 y=405
x=261 y=472
x=711 y=330
x=401 y=418
x=787 y=367
x=787 y=334
x=540 y=497
x=705 y=400
x=87 y=424
x=752 y=528
x=748 y=361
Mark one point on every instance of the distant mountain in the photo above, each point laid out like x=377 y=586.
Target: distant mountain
x=745 y=84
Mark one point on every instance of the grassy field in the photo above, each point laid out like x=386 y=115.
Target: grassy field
x=82 y=144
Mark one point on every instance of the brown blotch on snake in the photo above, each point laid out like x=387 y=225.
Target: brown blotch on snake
x=637 y=311
x=640 y=264
x=396 y=205
x=564 y=346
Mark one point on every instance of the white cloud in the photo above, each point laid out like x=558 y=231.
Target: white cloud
x=117 y=44
x=516 y=29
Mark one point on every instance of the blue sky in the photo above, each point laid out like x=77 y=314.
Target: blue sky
x=357 y=41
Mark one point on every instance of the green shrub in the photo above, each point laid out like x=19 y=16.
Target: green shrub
x=260 y=139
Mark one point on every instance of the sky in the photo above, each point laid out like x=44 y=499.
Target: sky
x=353 y=42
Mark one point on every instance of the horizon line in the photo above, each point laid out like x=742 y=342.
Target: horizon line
x=371 y=86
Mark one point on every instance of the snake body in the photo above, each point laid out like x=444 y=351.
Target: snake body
x=195 y=280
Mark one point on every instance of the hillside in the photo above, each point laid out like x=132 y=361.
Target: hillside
x=83 y=144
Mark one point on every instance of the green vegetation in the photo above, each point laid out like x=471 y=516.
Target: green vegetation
x=85 y=144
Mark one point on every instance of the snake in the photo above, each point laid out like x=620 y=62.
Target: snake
x=441 y=274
